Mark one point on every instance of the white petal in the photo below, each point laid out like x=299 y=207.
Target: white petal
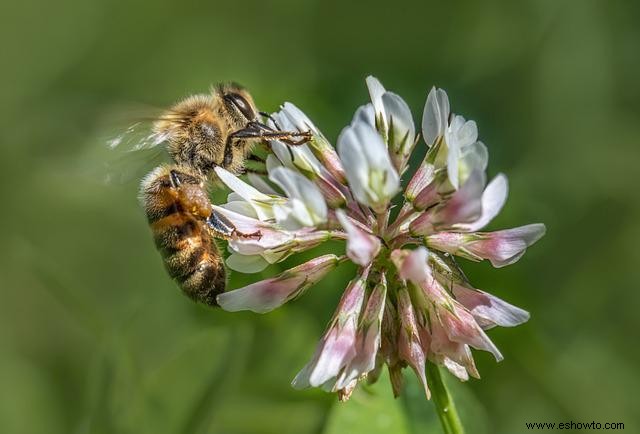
x=282 y=153
x=370 y=173
x=460 y=134
x=376 y=90
x=473 y=157
x=284 y=121
x=365 y=114
x=273 y=162
x=241 y=207
x=453 y=158
x=237 y=185
x=259 y=201
x=303 y=192
x=493 y=199
x=304 y=159
x=352 y=155
x=301 y=213
x=283 y=213
x=297 y=117
x=457 y=122
x=435 y=116
x=260 y=184
x=467 y=134
x=247 y=263
x=398 y=112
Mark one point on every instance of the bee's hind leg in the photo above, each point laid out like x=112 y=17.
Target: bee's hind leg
x=223 y=228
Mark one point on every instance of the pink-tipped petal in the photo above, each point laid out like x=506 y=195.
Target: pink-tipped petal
x=421 y=179
x=337 y=347
x=362 y=247
x=451 y=354
x=428 y=197
x=409 y=345
x=489 y=311
x=266 y=295
x=465 y=205
x=507 y=246
x=389 y=330
x=412 y=264
x=367 y=339
x=501 y=247
x=461 y=327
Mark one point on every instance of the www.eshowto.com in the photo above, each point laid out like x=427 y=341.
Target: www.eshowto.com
x=575 y=425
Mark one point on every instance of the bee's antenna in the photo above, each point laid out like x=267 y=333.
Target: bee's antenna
x=268 y=116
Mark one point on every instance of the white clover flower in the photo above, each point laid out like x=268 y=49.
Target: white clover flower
x=409 y=305
x=393 y=119
x=371 y=175
x=453 y=140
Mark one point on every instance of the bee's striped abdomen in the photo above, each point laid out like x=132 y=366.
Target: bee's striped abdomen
x=177 y=215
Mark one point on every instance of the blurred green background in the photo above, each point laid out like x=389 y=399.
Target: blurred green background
x=95 y=338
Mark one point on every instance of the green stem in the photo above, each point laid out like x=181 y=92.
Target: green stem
x=443 y=401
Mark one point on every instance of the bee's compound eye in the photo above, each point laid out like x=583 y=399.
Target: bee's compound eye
x=242 y=105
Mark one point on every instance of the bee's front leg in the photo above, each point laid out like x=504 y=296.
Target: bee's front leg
x=256 y=130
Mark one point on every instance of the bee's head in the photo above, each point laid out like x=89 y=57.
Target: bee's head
x=237 y=102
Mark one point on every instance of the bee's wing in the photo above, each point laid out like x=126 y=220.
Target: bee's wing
x=133 y=151
x=138 y=136
x=122 y=167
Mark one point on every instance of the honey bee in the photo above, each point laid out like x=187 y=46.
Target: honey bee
x=201 y=133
